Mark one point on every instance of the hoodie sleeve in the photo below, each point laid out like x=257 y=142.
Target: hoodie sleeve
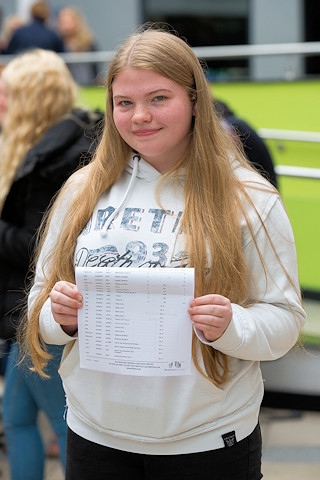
x=271 y=326
x=50 y=331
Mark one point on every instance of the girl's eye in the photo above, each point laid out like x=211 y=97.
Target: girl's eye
x=159 y=98
x=124 y=103
x=121 y=103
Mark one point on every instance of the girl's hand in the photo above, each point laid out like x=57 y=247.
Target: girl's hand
x=65 y=303
x=211 y=314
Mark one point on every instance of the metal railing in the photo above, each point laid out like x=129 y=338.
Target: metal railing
x=246 y=51
x=305 y=49
x=299 y=172
x=292 y=136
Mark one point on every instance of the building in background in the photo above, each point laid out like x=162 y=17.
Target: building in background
x=209 y=23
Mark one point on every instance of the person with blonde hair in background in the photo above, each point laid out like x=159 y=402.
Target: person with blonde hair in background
x=167 y=187
x=3 y=100
x=44 y=139
x=77 y=37
x=4 y=97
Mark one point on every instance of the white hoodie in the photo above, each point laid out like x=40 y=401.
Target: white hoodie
x=183 y=414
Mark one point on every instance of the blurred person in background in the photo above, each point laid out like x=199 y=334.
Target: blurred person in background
x=4 y=345
x=4 y=94
x=3 y=100
x=254 y=147
x=77 y=37
x=36 y=34
x=44 y=139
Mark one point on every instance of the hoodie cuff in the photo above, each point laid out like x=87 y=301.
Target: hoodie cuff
x=232 y=338
x=50 y=331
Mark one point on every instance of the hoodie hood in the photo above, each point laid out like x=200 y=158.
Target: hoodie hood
x=143 y=170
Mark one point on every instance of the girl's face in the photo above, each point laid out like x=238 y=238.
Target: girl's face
x=153 y=115
x=67 y=22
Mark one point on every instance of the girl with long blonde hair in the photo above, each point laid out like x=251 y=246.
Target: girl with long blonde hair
x=168 y=188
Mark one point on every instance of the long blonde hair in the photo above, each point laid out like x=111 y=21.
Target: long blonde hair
x=41 y=91
x=212 y=208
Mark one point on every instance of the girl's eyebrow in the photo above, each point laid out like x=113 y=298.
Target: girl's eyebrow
x=153 y=92
x=120 y=96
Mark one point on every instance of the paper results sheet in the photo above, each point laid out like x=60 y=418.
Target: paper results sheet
x=135 y=321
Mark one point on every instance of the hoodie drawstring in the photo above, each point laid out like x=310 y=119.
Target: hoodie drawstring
x=136 y=160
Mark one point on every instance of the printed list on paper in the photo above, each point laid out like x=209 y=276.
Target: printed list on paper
x=134 y=321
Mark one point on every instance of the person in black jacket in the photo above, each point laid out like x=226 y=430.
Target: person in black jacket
x=44 y=139
x=35 y=34
x=253 y=145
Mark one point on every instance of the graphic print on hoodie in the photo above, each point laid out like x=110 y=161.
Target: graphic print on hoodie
x=130 y=229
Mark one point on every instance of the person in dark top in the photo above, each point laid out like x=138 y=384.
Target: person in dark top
x=10 y=24
x=36 y=34
x=44 y=139
x=253 y=145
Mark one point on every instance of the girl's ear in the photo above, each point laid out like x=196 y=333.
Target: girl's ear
x=194 y=103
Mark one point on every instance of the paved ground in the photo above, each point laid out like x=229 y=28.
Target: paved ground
x=291 y=445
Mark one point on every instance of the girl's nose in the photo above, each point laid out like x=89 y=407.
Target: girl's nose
x=141 y=114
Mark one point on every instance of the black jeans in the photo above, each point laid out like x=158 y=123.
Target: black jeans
x=87 y=460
